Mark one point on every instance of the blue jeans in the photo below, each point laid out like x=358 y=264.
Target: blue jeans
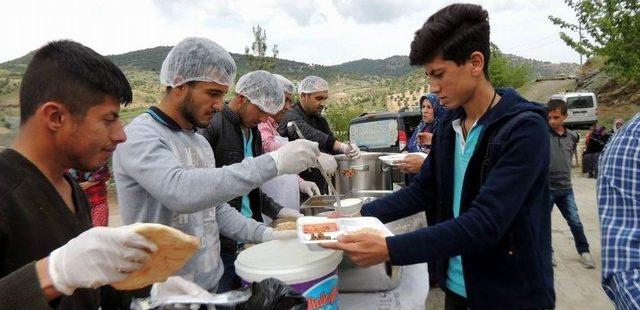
x=566 y=203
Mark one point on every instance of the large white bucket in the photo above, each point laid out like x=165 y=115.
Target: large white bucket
x=312 y=273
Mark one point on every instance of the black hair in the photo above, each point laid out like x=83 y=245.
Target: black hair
x=73 y=75
x=557 y=104
x=454 y=33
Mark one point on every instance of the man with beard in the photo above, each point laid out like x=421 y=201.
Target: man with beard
x=286 y=189
x=307 y=114
x=50 y=257
x=233 y=135
x=166 y=172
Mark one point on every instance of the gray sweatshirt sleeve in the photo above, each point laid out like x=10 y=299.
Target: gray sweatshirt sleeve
x=21 y=290
x=148 y=158
x=236 y=226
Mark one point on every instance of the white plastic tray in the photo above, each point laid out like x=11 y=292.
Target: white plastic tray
x=345 y=226
x=391 y=159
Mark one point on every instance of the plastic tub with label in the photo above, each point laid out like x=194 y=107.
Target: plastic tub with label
x=312 y=273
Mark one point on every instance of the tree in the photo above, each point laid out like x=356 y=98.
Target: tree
x=503 y=73
x=613 y=29
x=339 y=118
x=257 y=54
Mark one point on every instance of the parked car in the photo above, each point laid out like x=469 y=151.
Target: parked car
x=383 y=131
x=582 y=108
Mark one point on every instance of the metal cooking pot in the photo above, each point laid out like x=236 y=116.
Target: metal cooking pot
x=364 y=173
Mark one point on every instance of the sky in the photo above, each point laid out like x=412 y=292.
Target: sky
x=325 y=32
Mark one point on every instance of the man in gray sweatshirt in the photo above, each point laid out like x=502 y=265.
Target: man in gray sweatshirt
x=165 y=172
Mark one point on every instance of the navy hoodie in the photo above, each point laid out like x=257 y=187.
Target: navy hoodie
x=503 y=232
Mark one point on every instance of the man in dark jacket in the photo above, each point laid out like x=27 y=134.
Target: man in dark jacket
x=50 y=257
x=233 y=135
x=486 y=175
x=307 y=115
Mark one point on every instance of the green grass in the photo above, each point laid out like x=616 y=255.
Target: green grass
x=129 y=113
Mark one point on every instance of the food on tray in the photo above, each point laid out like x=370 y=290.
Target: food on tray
x=319 y=228
x=349 y=172
x=320 y=236
x=367 y=230
x=174 y=249
x=285 y=226
x=320 y=201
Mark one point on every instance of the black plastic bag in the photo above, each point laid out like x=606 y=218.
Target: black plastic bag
x=273 y=294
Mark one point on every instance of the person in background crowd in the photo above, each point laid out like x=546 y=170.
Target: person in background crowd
x=271 y=139
x=617 y=124
x=619 y=211
x=307 y=114
x=233 y=135
x=594 y=145
x=420 y=140
x=166 y=172
x=50 y=257
x=562 y=145
x=94 y=185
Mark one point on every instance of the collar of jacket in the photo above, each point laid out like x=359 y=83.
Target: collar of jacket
x=233 y=117
x=298 y=107
x=165 y=119
x=510 y=104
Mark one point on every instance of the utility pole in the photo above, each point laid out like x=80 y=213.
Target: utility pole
x=580 y=35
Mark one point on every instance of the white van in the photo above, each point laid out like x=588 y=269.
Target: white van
x=582 y=108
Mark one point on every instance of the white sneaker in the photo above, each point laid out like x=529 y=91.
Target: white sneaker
x=587 y=261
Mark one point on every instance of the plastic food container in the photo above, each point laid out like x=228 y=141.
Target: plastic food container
x=331 y=228
x=349 y=206
x=312 y=273
x=391 y=159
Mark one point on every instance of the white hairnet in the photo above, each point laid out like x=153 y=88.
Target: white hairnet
x=312 y=84
x=263 y=90
x=286 y=85
x=197 y=59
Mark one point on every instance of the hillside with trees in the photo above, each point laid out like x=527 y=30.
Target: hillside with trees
x=365 y=85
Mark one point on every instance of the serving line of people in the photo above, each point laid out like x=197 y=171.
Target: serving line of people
x=485 y=180
x=165 y=173
x=168 y=173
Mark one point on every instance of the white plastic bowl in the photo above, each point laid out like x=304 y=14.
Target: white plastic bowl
x=349 y=206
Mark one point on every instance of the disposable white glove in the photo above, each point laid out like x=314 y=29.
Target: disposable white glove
x=271 y=234
x=97 y=257
x=176 y=289
x=309 y=188
x=296 y=156
x=328 y=163
x=285 y=213
x=351 y=150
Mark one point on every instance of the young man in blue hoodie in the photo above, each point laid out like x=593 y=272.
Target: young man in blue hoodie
x=486 y=176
